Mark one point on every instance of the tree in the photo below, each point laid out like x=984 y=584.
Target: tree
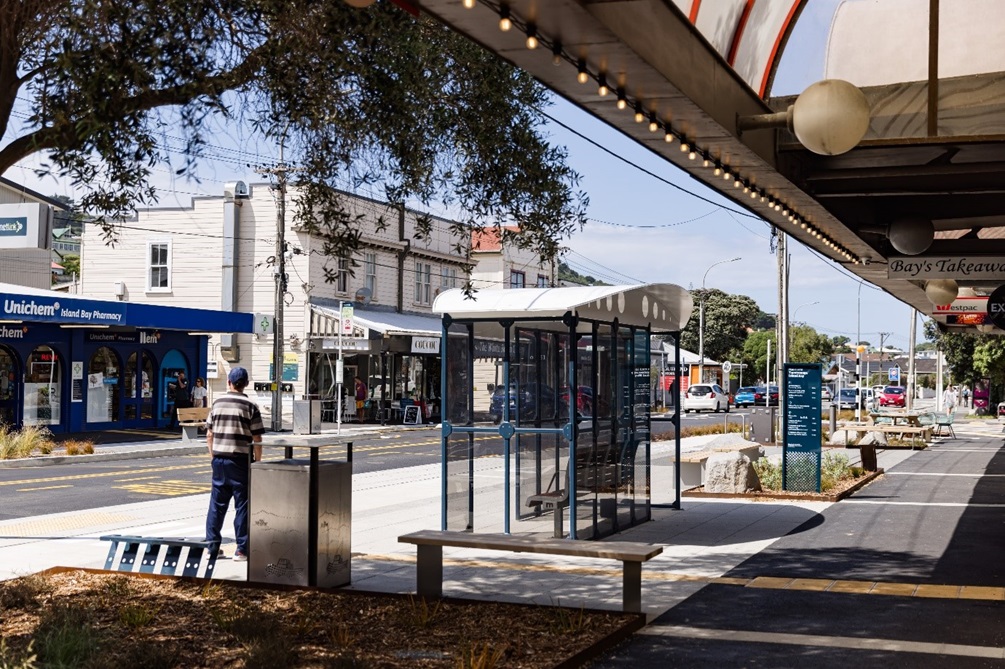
x=727 y=318
x=840 y=344
x=764 y=321
x=71 y=264
x=959 y=348
x=807 y=345
x=569 y=275
x=370 y=96
x=755 y=353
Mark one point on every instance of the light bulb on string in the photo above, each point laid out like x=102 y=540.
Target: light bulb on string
x=717 y=171
x=469 y=4
x=582 y=76
x=504 y=21
x=622 y=102
x=692 y=155
x=684 y=148
x=556 y=53
x=531 y=36
x=668 y=138
x=653 y=125
x=602 y=90
x=639 y=116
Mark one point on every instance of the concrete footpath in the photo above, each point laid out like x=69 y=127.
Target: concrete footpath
x=908 y=572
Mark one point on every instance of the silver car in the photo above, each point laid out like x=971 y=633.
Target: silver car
x=706 y=397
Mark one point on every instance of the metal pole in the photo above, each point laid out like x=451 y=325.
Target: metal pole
x=767 y=373
x=701 y=335
x=911 y=380
x=277 y=353
x=339 y=373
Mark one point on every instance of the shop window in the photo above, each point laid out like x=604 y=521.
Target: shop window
x=103 y=386
x=147 y=387
x=517 y=279
x=423 y=283
x=370 y=270
x=159 y=273
x=8 y=385
x=448 y=277
x=542 y=281
x=43 y=376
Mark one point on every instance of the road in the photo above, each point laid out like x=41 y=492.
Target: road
x=87 y=485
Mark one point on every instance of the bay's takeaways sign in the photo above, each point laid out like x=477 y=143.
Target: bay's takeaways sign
x=946 y=267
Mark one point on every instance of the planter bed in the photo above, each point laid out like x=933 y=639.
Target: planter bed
x=853 y=486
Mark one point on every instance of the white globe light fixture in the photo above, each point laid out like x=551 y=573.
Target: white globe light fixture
x=911 y=235
x=942 y=291
x=830 y=117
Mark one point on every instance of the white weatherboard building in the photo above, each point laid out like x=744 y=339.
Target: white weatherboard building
x=219 y=253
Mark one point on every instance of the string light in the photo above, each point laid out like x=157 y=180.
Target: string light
x=556 y=53
x=653 y=125
x=582 y=77
x=726 y=176
x=531 y=36
x=692 y=155
x=469 y=4
x=668 y=138
x=684 y=148
x=602 y=90
x=736 y=184
x=504 y=21
x=704 y=163
x=717 y=171
x=639 y=116
x=622 y=102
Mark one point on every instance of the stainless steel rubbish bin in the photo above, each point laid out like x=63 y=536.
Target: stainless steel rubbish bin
x=306 y=416
x=290 y=544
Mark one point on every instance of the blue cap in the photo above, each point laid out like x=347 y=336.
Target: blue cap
x=238 y=377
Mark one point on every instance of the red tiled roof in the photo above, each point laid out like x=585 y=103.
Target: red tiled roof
x=489 y=239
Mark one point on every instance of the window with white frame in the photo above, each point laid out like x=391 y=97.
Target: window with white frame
x=159 y=271
x=370 y=270
x=423 y=283
x=342 y=278
x=448 y=278
x=517 y=279
x=542 y=281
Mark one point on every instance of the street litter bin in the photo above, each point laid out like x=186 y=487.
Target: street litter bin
x=306 y=416
x=300 y=522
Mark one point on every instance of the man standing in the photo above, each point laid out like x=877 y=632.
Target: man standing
x=233 y=428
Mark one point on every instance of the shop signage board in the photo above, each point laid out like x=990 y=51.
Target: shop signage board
x=946 y=267
x=346 y=319
x=801 y=452
x=425 y=344
x=412 y=415
x=60 y=309
x=976 y=304
x=25 y=226
x=77 y=381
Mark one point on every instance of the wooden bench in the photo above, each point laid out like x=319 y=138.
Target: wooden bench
x=191 y=419
x=694 y=465
x=429 y=551
x=922 y=432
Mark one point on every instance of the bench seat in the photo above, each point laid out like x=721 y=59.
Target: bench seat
x=430 y=543
x=191 y=420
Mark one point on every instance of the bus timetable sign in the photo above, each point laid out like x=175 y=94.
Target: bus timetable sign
x=801 y=453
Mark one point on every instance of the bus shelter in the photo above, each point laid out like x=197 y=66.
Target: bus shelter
x=561 y=437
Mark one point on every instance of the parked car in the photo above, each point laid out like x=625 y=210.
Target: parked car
x=847 y=396
x=825 y=395
x=747 y=396
x=893 y=396
x=523 y=402
x=706 y=397
x=584 y=399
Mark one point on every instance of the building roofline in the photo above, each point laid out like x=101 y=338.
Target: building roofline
x=13 y=185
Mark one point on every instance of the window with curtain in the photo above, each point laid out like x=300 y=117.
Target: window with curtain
x=370 y=270
x=159 y=273
x=423 y=283
x=517 y=280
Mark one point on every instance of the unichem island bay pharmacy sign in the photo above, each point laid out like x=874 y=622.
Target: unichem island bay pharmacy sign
x=57 y=310
x=946 y=267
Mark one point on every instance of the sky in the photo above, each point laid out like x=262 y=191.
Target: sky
x=640 y=228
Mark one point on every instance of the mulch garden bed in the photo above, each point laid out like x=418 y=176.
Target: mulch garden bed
x=840 y=491
x=90 y=618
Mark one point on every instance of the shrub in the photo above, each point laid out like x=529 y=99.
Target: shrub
x=697 y=431
x=11 y=660
x=66 y=638
x=769 y=474
x=23 y=592
x=27 y=440
x=833 y=468
x=75 y=447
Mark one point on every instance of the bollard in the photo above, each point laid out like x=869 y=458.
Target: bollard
x=833 y=419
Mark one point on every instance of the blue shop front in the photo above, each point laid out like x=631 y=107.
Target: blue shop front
x=76 y=364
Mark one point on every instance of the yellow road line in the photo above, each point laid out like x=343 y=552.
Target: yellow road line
x=918 y=590
x=137 y=478
x=96 y=475
x=48 y=487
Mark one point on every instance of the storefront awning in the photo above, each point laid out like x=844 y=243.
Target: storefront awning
x=21 y=304
x=662 y=306
x=386 y=322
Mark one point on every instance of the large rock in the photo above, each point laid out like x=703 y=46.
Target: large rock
x=873 y=439
x=843 y=437
x=731 y=473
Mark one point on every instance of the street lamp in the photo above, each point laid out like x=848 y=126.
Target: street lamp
x=701 y=320
x=808 y=304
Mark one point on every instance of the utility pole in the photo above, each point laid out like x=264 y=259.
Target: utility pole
x=782 y=326
x=882 y=338
x=911 y=377
x=280 y=171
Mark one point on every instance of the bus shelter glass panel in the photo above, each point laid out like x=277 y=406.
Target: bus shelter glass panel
x=459 y=497
x=43 y=376
x=641 y=484
x=9 y=387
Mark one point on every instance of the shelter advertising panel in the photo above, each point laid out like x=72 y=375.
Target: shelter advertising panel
x=801 y=427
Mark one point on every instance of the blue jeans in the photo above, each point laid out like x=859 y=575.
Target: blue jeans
x=230 y=479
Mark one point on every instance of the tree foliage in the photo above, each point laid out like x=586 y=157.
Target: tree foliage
x=370 y=96
x=569 y=275
x=959 y=349
x=807 y=345
x=755 y=353
x=727 y=320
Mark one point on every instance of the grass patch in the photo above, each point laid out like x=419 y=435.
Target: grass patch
x=698 y=431
x=24 y=593
x=834 y=471
x=78 y=447
x=66 y=638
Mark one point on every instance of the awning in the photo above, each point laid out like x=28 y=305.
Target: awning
x=384 y=322
x=662 y=306
x=37 y=305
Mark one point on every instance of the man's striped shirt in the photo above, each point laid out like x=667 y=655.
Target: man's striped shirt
x=234 y=420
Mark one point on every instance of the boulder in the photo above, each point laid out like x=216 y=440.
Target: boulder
x=843 y=437
x=873 y=439
x=730 y=473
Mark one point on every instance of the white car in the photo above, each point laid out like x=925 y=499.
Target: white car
x=825 y=395
x=706 y=397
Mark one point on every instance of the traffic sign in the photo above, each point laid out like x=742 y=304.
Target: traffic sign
x=727 y=367
x=894 y=374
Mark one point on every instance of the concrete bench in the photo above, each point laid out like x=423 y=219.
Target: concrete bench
x=429 y=550
x=693 y=465
x=191 y=419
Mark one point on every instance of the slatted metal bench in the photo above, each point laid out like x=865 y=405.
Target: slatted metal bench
x=429 y=563
x=198 y=553
x=191 y=419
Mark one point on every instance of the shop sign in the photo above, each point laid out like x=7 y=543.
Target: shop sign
x=62 y=310
x=996 y=306
x=425 y=344
x=212 y=371
x=13 y=333
x=963 y=305
x=489 y=348
x=140 y=336
x=348 y=344
x=77 y=381
x=946 y=267
x=291 y=367
x=25 y=226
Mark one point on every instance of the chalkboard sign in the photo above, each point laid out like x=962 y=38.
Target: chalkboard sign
x=412 y=415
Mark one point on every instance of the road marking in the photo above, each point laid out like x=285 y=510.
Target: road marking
x=48 y=487
x=962 y=505
x=170 y=488
x=942 y=474
x=78 y=477
x=138 y=478
x=48 y=526
x=842 y=642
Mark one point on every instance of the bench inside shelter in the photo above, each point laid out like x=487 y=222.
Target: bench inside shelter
x=429 y=561
x=191 y=420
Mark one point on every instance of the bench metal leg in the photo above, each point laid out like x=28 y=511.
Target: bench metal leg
x=429 y=570
x=632 y=587
x=189 y=433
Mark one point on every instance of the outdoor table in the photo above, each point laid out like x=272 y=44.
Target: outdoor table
x=898 y=418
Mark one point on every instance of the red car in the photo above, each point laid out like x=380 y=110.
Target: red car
x=584 y=399
x=893 y=396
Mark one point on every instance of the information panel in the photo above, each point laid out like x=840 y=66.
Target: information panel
x=801 y=428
